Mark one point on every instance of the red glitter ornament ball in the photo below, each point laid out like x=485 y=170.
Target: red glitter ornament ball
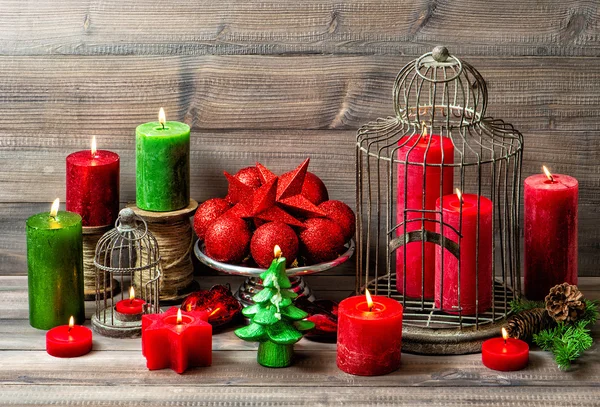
x=322 y=240
x=207 y=213
x=314 y=189
x=267 y=236
x=341 y=214
x=249 y=176
x=227 y=239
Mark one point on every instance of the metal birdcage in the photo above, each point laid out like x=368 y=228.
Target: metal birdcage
x=451 y=257
x=128 y=254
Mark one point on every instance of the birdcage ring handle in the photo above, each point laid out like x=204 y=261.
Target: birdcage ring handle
x=439 y=57
x=127 y=222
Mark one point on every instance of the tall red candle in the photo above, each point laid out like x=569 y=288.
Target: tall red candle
x=369 y=339
x=69 y=341
x=550 y=233
x=505 y=354
x=418 y=189
x=93 y=186
x=474 y=285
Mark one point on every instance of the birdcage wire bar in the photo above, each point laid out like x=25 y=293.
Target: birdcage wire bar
x=438 y=94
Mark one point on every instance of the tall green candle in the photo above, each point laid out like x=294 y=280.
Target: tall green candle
x=162 y=165
x=55 y=268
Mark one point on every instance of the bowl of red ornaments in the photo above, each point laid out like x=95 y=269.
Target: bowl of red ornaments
x=237 y=233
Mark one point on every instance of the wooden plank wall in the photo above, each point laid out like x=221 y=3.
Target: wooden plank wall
x=275 y=81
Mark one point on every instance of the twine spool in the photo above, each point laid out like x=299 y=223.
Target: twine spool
x=91 y=235
x=175 y=238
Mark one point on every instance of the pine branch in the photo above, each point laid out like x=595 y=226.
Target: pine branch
x=524 y=305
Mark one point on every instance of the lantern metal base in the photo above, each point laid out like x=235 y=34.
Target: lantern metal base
x=252 y=285
x=107 y=323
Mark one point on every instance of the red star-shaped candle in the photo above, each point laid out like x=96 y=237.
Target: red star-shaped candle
x=177 y=340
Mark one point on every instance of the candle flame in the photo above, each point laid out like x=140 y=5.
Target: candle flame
x=504 y=334
x=179 y=318
x=71 y=322
x=277 y=251
x=214 y=312
x=162 y=117
x=459 y=194
x=94 y=146
x=54 y=209
x=425 y=131
x=548 y=173
x=131 y=293
x=369 y=299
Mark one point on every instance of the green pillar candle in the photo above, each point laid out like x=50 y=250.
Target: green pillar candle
x=162 y=165
x=55 y=268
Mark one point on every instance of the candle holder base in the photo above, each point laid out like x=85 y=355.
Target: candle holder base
x=119 y=316
x=107 y=323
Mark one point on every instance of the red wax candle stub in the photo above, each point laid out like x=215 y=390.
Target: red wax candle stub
x=469 y=290
x=93 y=186
x=369 y=342
x=550 y=231
x=498 y=355
x=131 y=306
x=418 y=189
x=167 y=343
x=63 y=342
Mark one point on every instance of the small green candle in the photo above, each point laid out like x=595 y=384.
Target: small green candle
x=162 y=165
x=55 y=268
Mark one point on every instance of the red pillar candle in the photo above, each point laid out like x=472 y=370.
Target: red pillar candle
x=132 y=306
x=369 y=337
x=93 y=186
x=471 y=291
x=177 y=340
x=69 y=341
x=418 y=189
x=505 y=354
x=550 y=232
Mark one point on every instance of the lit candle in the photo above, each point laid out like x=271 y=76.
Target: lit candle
x=132 y=306
x=55 y=268
x=505 y=354
x=177 y=340
x=550 y=232
x=69 y=341
x=162 y=165
x=470 y=288
x=369 y=337
x=93 y=185
x=418 y=189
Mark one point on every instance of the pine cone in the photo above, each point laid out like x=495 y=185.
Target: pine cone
x=565 y=303
x=527 y=323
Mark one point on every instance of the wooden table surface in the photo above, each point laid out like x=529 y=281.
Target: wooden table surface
x=114 y=373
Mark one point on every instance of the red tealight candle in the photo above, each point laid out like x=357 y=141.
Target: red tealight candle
x=68 y=341
x=93 y=186
x=369 y=337
x=550 y=232
x=131 y=306
x=505 y=354
x=474 y=279
x=176 y=340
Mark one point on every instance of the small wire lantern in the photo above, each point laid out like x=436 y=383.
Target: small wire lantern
x=438 y=192
x=129 y=254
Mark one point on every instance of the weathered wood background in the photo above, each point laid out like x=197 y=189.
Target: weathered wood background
x=275 y=81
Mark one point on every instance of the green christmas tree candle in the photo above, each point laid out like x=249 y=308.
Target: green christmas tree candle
x=162 y=162
x=55 y=268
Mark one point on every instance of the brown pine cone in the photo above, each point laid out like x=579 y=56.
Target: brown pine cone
x=527 y=323
x=565 y=303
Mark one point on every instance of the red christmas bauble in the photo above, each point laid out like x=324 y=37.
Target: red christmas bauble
x=249 y=176
x=227 y=239
x=322 y=240
x=267 y=236
x=341 y=214
x=207 y=213
x=314 y=189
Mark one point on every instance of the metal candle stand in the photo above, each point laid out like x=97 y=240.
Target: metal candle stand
x=127 y=254
x=448 y=97
x=91 y=235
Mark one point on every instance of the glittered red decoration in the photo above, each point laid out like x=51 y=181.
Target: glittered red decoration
x=237 y=191
x=249 y=176
x=322 y=240
x=324 y=314
x=219 y=302
x=264 y=173
x=289 y=192
x=341 y=214
x=227 y=239
x=314 y=189
x=269 y=235
x=207 y=213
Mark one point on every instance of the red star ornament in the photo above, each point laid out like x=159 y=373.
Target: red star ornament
x=289 y=192
x=237 y=190
x=165 y=343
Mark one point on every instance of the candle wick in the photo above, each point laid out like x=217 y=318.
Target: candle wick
x=551 y=178
x=371 y=308
x=504 y=341
x=70 y=329
x=163 y=125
